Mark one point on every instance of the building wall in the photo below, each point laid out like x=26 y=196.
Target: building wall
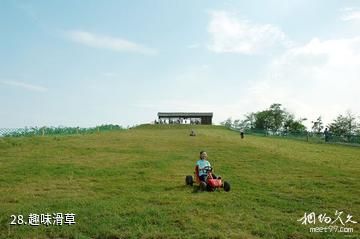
x=206 y=120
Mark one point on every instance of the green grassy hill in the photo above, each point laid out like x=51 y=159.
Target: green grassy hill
x=130 y=184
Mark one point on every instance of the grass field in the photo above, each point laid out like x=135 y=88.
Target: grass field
x=130 y=184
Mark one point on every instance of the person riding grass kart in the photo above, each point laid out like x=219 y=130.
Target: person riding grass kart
x=202 y=166
x=205 y=177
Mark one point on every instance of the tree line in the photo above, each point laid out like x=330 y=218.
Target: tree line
x=38 y=131
x=277 y=119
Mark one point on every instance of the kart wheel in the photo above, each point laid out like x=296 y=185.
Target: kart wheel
x=226 y=186
x=209 y=188
x=189 y=180
x=203 y=186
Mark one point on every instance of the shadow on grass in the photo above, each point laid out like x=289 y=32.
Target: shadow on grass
x=176 y=188
x=194 y=189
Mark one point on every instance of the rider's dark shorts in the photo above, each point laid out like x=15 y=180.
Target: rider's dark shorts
x=202 y=178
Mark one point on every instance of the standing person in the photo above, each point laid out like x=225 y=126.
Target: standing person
x=242 y=133
x=202 y=164
x=326 y=133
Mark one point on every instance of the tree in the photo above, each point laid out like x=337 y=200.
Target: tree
x=294 y=126
x=227 y=123
x=357 y=131
x=236 y=123
x=344 y=125
x=249 y=121
x=317 y=125
x=270 y=119
x=277 y=116
x=262 y=120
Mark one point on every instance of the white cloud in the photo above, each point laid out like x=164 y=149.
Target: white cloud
x=23 y=85
x=108 y=42
x=229 y=34
x=318 y=78
x=350 y=14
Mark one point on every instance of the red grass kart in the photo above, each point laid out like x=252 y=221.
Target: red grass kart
x=210 y=184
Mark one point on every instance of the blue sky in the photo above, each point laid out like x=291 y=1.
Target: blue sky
x=85 y=63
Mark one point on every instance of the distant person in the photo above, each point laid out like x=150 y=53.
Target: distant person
x=242 y=133
x=202 y=164
x=192 y=133
x=327 y=135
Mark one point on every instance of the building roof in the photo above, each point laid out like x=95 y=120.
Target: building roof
x=185 y=114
